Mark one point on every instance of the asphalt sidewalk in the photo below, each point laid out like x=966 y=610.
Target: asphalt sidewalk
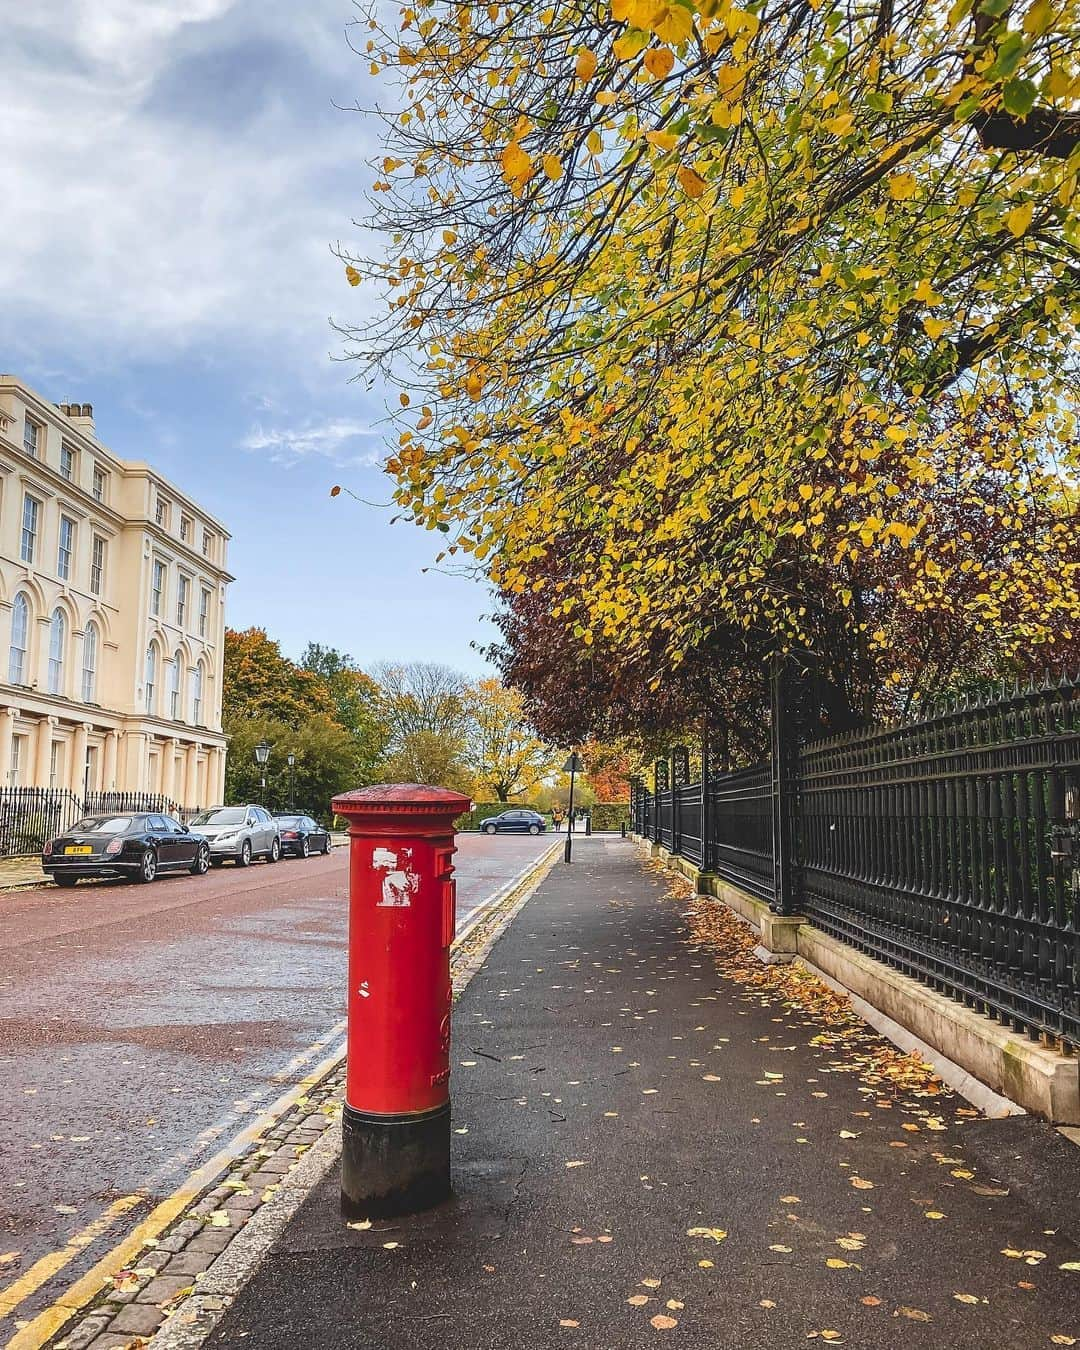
x=659 y=1140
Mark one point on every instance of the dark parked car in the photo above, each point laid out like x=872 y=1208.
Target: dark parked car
x=132 y=844
x=300 y=835
x=515 y=822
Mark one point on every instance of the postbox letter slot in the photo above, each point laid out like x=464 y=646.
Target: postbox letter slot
x=449 y=907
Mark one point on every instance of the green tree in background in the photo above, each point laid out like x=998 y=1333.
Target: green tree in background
x=325 y=763
x=324 y=711
x=357 y=700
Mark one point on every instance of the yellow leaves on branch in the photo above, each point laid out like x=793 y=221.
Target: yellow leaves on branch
x=659 y=62
x=691 y=181
x=1018 y=220
x=517 y=167
x=672 y=23
x=585 y=66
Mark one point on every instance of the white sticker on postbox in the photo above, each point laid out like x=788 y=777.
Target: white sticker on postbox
x=400 y=883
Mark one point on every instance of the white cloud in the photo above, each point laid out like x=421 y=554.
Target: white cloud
x=333 y=440
x=144 y=210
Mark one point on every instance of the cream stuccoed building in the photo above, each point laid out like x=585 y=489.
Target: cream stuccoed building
x=112 y=615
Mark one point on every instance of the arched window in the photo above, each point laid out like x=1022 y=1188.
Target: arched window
x=176 y=665
x=57 y=647
x=151 y=679
x=89 y=663
x=20 y=628
x=196 y=695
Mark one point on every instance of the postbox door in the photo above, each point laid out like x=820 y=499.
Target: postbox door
x=447 y=893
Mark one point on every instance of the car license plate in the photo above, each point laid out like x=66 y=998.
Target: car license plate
x=78 y=848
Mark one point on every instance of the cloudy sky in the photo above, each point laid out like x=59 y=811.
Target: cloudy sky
x=176 y=173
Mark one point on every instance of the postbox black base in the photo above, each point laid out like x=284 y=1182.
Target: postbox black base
x=394 y=1164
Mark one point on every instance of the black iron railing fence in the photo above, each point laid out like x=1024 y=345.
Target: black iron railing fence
x=29 y=816
x=948 y=847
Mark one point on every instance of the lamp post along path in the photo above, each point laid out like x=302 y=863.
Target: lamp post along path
x=572 y=766
x=262 y=754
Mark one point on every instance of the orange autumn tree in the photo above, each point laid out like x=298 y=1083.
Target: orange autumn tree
x=762 y=318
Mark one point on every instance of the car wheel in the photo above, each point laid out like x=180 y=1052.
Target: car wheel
x=66 y=881
x=326 y=846
x=275 y=851
x=244 y=859
x=489 y=829
x=305 y=847
x=534 y=829
x=147 y=867
x=201 y=865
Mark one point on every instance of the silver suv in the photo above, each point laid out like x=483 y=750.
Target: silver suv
x=240 y=833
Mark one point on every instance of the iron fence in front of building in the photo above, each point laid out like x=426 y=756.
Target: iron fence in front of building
x=29 y=816
x=948 y=847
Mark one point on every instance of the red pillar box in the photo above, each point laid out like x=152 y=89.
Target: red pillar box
x=396 y=1126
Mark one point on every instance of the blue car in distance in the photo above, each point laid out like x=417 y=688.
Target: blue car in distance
x=514 y=822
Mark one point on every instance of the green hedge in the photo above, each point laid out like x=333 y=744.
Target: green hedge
x=610 y=815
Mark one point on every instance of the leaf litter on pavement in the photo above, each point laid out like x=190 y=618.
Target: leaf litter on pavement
x=891 y=1082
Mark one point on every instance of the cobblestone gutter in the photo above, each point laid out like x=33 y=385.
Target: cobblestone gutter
x=174 y=1292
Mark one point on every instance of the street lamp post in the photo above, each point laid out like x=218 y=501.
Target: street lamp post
x=291 y=761
x=262 y=754
x=572 y=766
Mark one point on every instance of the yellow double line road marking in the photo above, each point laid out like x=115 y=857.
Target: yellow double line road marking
x=38 y=1332
x=42 y=1271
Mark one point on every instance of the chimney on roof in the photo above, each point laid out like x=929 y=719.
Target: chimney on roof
x=82 y=414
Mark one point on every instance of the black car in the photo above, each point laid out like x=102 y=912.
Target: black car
x=300 y=836
x=514 y=822
x=125 y=844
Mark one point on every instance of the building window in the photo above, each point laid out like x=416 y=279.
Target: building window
x=57 y=645
x=89 y=663
x=31 y=437
x=158 y=587
x=17 y=743
x=97 y=565
x=66 y=551
x=175 y=667
x=204 y=612
x=196 y=695
x=207 y=544
x=99 y=485
x=20 y=629
x=151 y=679
x=54 y=763
x=181 y=600
x=67 y=462
x=161 y=513
x=31 y=516
x=185 y=529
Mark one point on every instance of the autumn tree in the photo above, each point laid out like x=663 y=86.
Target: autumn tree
x=503 y=752
x=423 y=706
x=259 y=681
x=762 y=319
x=608 y=769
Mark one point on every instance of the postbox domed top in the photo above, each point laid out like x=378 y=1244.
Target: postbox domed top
x=410 y=799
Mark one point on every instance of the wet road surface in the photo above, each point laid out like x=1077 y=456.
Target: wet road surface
x=142 y=1027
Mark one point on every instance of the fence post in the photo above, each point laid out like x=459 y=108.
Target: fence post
x=787 y=894
x=680 y=773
